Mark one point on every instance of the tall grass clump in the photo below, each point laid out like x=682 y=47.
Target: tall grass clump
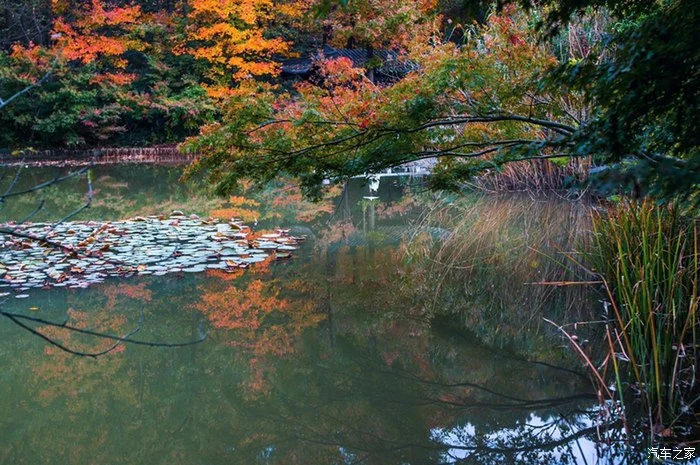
x=494 y=271
x=542 y=176
x=648 y=256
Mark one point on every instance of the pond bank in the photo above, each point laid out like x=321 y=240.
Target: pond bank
x=161 y=155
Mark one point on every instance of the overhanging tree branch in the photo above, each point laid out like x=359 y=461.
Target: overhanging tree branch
x=457 y=120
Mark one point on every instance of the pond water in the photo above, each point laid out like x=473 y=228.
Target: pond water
x=343 y=354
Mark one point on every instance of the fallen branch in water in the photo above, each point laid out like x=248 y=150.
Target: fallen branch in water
x=126 y=339
x=564 y=283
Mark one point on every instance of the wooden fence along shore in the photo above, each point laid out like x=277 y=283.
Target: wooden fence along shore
x=156 y=155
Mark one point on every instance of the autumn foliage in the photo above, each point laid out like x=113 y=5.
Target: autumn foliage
x=231 y=36
x=98 y=32
x=141 y=72
x=471 y=106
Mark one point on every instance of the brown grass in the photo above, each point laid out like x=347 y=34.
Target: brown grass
x=500 y=249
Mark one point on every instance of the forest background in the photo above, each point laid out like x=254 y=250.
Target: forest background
x=477 y=85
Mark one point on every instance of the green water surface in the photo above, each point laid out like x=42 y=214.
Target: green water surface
x=324 y=358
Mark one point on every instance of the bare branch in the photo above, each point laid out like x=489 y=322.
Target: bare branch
x=39 y=207
x=455 y=120
x=42 y=185
x=4 y=102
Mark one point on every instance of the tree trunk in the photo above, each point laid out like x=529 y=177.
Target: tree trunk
x=370 y=64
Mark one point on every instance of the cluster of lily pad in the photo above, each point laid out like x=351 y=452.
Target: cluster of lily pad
x=78 y=254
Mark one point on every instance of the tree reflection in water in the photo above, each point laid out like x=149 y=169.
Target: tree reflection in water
x=358 y=379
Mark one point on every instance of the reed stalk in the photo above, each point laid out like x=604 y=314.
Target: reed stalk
x=490 y=267
x=648 y=257
x=541 y=176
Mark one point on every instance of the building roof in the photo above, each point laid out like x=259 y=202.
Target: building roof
x=392 y=67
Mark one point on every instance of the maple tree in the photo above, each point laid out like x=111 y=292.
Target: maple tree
x=97 y=32
x=232 y=37
x=506 y=95
x=393 y=24
x=106 y=80
x=481 y=98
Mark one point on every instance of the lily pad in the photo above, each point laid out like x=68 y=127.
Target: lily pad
x=144 y=245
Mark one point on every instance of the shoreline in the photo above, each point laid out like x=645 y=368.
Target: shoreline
x=165 y=155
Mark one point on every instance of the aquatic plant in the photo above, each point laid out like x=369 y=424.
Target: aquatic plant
x=649 y=258
x=490 y=271
x=536 y=175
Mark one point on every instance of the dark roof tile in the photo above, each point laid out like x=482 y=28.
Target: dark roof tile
x=392 y=65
